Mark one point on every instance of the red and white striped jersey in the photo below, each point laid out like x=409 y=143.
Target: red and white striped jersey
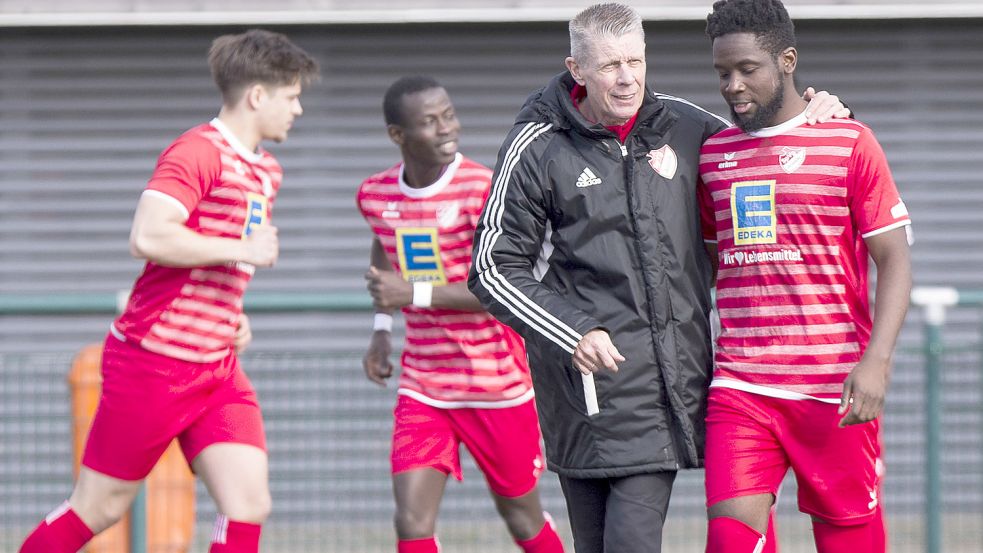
x=225 y=189
x=789 y=208
x=451 y=359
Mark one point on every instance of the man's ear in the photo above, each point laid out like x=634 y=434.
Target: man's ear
x=788 y=59
x=574 y=69
x=255 y=95
x=395 y=134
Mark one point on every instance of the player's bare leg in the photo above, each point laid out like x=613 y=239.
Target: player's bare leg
x=97 y=502
x=101 y=500
x=738 y=524
x=418 y=494
x=528 y=523
x=237 y=478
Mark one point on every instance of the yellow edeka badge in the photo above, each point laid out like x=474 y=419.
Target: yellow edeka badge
x=419 y=255
x=256 y=210
x=752 y=209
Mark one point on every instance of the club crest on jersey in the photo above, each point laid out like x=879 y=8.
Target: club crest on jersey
x=791 y=158
x=663 y=161
x=447 y=214
x=752 y=210
x=257 y=208
x=418 y=251
x=391 y=211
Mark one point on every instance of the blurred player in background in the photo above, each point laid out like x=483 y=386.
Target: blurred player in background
x=790 y=214
x=464 y=375
x=169 y=365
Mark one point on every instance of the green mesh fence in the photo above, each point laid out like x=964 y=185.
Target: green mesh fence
x=328 y=431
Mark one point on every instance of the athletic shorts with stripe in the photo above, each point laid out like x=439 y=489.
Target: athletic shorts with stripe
x=753 y=439
x=149 y=399
x=505 y=442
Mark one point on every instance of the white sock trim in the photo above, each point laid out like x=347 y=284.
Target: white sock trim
x=57 y=513
x=221 y=531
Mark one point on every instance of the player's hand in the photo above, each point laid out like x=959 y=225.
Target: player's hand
x=244 y=334
x=376 y=361
x=388 y=290
x=596 y=351
x=262 y=247
x=823 y=106
x=863 y=393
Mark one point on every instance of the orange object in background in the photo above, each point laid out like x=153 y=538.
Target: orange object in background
x=170 y=486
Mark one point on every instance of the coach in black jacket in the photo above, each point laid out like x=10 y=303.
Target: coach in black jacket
x=589 y=246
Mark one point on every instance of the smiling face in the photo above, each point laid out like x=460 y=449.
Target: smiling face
x=614 y=76
x=428 y=131
x=754 y=82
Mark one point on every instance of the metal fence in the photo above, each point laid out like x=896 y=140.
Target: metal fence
x=328 y=432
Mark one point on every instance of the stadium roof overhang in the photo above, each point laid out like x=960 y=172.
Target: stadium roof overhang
x=820 y=10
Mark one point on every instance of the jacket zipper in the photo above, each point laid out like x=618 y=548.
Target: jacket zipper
x=627 y=163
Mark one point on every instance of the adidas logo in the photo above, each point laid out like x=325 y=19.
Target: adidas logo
x=587 y=178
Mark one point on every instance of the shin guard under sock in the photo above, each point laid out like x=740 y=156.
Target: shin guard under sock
x=62 y=531
x=232 y=536
x=423 y=545
x=729 y=535
x=546 y=541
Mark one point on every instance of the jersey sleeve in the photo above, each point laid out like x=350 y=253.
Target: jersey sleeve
x=482 y=194
x=708 y=217
x=186 y=170
x=875 y=204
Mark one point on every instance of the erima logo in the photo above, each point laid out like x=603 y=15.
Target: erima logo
x=391 y=211
x=587 y=178
x=728 y=161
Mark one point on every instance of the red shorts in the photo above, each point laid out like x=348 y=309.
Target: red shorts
x=149 y=399
x=752 y=441
x=504 y=442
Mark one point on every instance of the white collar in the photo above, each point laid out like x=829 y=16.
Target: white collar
x=251 y=157
x=780 y=128
x=435 y=187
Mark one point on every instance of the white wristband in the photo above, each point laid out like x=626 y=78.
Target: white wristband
x=422 y=294
x=383 y=321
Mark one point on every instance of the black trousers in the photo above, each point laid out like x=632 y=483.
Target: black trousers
x=618 y=515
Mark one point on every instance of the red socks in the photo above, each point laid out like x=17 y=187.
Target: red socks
x=232 y=536
x=546 y=541
x=62 y=531
x=726 y=534
x=423 y=545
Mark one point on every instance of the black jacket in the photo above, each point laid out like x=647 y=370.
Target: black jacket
x=579 y=233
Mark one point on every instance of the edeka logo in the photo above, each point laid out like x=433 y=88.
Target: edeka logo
x=752 y=209
x=256 y=210
x=419 y=255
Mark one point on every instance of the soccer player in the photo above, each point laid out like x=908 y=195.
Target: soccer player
x=169 y=362
x=464 y=375
x=790 y=215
